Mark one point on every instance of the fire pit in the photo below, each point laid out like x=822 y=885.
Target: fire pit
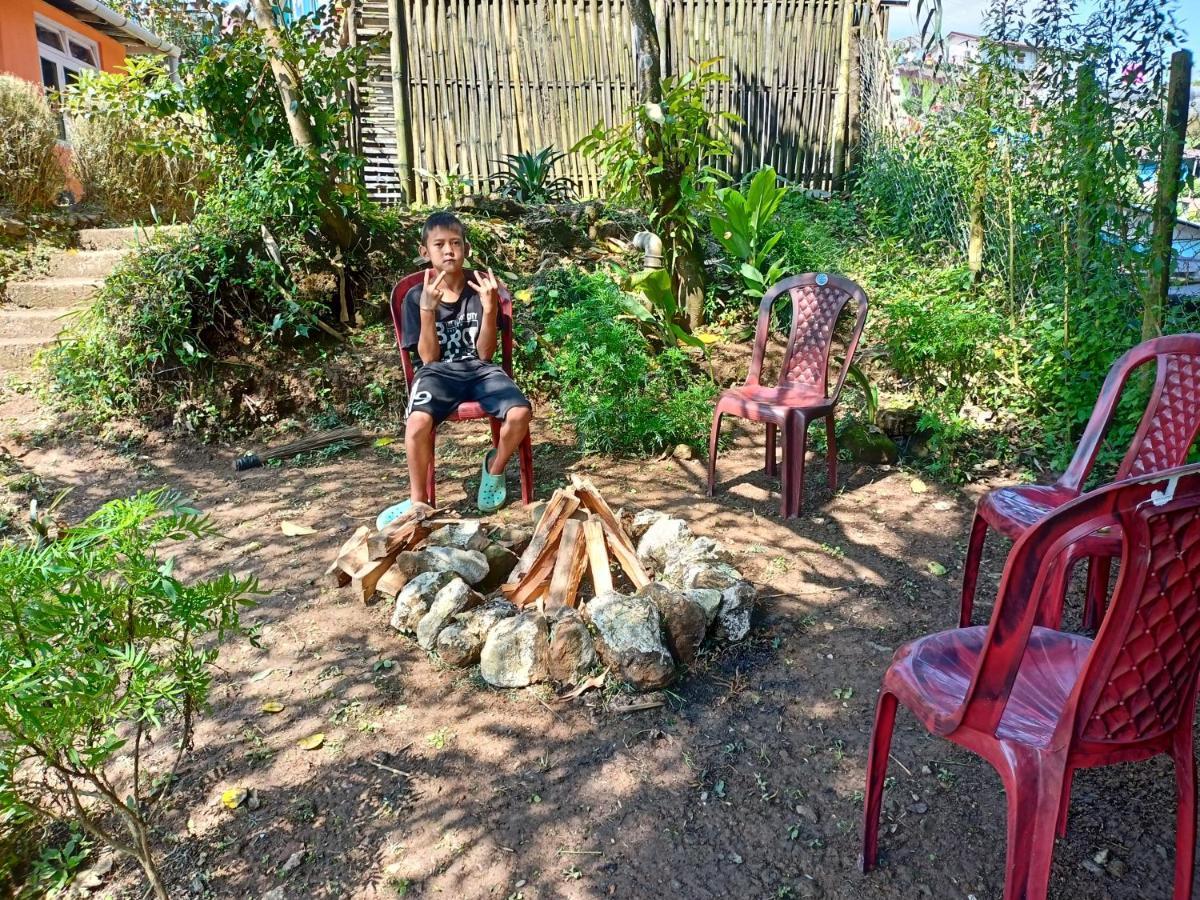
x=516 y=600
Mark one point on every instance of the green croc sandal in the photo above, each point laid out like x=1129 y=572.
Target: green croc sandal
x=492 y=490
x=392 y=513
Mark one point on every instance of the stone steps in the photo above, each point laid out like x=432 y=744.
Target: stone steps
x=16 y=354
x=34 y=324
x=122 y=238
x=85 y=263
x=53 y=293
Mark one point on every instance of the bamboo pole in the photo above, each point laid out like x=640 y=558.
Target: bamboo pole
x=841 y=109
x=401 y=112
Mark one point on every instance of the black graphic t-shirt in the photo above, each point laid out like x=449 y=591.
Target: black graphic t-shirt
x=457 y=324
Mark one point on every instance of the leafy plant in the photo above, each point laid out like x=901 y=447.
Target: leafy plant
x=31 y=175
x=529 y=177
x=657 y=309
x=104 y=650
x=663 y=160
x=745 y=225
x=454 y=186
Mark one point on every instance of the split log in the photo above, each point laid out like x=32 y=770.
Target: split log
x=392 y=582
x=590 y=497
x=366 y=579
x=627 y=559
x=593 y=533
x=401 y=534
x=352 y=556
x=568 y=567
x=545 y=536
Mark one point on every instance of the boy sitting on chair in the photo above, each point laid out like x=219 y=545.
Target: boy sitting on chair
x=451 y=325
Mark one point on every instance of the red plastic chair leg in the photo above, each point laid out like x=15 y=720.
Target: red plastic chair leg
x=712 y=451
x=971 y=570
x=771 y=467
x=1185 y=814
x=525 y=452
x=1065 y=806
x=1034 y=792
x=1099 y=568
x=496 y=425
x=831 y=452
x=877 y=761
x=795 y=451
x=430 y=480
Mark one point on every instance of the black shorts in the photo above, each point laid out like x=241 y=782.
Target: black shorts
x=438 y=388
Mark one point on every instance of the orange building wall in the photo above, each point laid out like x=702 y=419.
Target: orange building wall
x=18 y=39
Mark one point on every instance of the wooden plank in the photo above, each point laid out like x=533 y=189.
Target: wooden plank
x=595 y=503
x=627 y=560
x=593 y=533
x=536 y=583
x=364 y=581
x=400 y=535
x=568 y=566
x=351 y=557
x=544 y=538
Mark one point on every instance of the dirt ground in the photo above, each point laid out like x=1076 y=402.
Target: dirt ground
x=431 y=784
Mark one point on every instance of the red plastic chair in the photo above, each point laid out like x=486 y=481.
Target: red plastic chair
x=1163 y=439
x=1038 y=703
x=802 y=394
x=469 y=410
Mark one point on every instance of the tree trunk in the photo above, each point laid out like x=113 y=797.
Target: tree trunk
x=689 y=282
x=335 y=226
x=646 y=52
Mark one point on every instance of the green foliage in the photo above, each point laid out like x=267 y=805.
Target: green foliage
x=745 y=226
x=30 y=173
x=137 y=151
x=529 y=177
x=103 y=646
x=657 y=309
x=615 y=392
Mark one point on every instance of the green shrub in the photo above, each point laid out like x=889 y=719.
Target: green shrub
x=616 y=393
x=31 y=175
x=106 y=652
x=136 y=154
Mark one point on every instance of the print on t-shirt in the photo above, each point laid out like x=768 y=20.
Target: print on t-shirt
x=457 y=337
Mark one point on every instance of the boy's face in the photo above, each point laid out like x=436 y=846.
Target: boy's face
x=445 y=248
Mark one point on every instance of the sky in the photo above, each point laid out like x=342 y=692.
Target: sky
x=967 y=15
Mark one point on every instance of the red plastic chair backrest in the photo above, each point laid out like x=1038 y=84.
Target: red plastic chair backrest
x=408 y=282
x=1170 y=422
x=1140 y=676
x=817 y=302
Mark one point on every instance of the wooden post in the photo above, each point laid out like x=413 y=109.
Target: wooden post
x=841 y=106
x=400 y=107
x=1167 y=196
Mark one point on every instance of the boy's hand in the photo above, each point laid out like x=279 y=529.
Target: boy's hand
x=488 y=289
x=431 y=291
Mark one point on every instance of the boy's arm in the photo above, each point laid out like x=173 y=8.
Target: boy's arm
x=428 y=345
x=488 y=289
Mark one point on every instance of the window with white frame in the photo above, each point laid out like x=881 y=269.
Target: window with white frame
x=63 y=55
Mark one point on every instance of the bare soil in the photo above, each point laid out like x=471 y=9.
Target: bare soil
x=429 y=783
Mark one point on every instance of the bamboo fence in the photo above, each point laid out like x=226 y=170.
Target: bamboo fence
x=485 y=78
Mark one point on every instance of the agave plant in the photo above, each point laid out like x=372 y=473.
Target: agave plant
x=528 y=177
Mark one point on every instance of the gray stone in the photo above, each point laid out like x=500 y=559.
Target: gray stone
x=461 y=642
x=737 y=604
x=470 y=565
x=642 y=521
x=450 y=600
x=699 y=551
x=469 y=534
x=516 y=652
x=415 y=598
x=663 y=541
x=629 y=638
x=501 y=561
x=708 y=600
x=572 y=651
x=713 y=575
x=683 y=620
x=514 y=537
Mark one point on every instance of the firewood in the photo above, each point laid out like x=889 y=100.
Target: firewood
x=364 y=581
x=352 y=556
x=590 y=497
x=546 y=535
x=392 y=582
x=400 y=535
x=627 y=559
x=593 y=533
x=536 y=583
x=568 y=567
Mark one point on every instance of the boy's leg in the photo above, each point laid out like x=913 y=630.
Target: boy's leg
x=512 y=432
x=418 y=444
